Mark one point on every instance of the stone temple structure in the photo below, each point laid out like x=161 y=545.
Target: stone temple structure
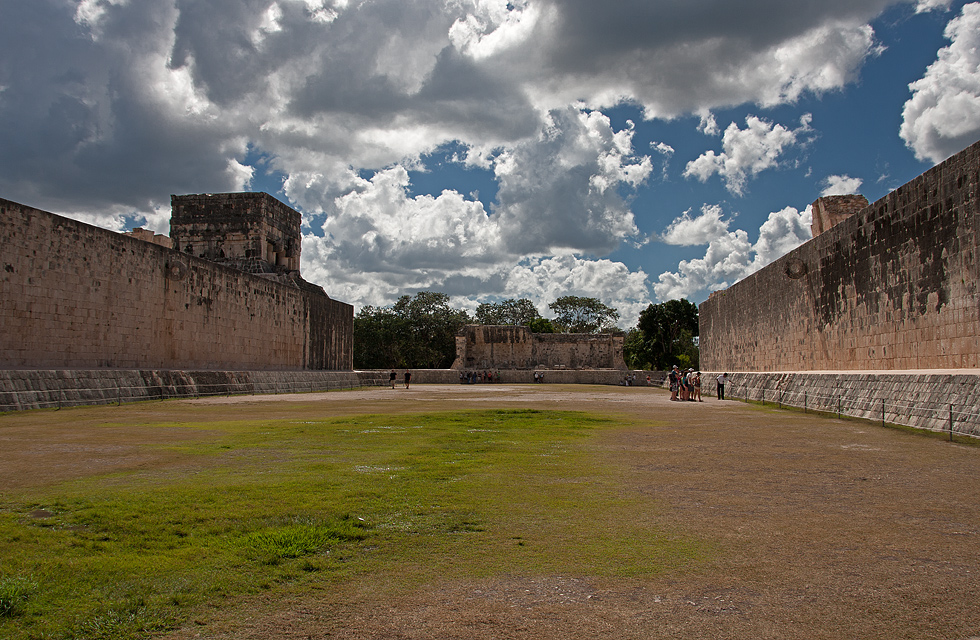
x=250 y=232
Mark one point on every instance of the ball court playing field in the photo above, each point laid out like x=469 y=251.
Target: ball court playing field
x=489 y=511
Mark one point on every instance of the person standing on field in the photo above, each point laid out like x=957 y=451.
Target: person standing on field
x=722 y=381
x=408 y=378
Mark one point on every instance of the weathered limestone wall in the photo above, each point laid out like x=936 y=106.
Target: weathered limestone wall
x=74 y=296
x=485 y=346
x=509 y=347
x=526 y=376
x=578 y=351
x=893 y=287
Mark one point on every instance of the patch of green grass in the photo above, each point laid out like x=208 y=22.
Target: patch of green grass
x=15 y=591
x=303 y=501
x=299 y=539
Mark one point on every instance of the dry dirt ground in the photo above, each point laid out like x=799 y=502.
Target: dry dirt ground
x=828 y=528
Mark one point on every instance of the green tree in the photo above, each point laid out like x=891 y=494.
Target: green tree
x=669 y=331
x=541 y=325
x=378 y=337
x=582 y=315
x=508 y=312
x=415 y=332
x=634 y=350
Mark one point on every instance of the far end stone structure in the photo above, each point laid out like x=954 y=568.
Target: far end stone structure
x=509 y=347
x=888 y=286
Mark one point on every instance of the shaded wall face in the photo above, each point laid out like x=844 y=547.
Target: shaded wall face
x=493 y=347
x=578 y=351
x=76 y=296
x=893 y=287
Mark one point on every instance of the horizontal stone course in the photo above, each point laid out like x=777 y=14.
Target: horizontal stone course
x=526 y=376
x=44 y=389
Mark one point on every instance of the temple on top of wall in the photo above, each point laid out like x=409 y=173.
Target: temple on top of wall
x=227 y=296
x=882 y=287
x=511 y=347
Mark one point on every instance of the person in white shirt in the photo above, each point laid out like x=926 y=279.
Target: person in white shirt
x=722 y=381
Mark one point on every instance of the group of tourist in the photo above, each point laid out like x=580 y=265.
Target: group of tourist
x=474 y=377
x=629 y=380
x=685 y=386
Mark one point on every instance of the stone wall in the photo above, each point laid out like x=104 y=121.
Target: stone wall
x=493 y=346
x=578 y=351
x=74 y=296
x=893 y=287
x=509 y=347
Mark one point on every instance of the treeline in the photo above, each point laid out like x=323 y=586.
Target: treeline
x=419 y=332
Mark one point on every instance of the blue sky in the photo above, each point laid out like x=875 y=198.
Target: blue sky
x=634 y=151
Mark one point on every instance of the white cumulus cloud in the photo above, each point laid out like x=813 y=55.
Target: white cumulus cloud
x=746 y=152
x=943 y=114
x=932 y=5
x=731 y=256
x=560 y=191
x=559 y=194
x=702 y=229
x=546 y=279
x=841 y=185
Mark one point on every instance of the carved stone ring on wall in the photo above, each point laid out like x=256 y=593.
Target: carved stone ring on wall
x=795 y=269
x=176 y=270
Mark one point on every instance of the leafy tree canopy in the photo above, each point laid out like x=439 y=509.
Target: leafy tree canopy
x=508 y=312
x=415 y=332
x=668 y=333
x=574 y=314
x=541 y=325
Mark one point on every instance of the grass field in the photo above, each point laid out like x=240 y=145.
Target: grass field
x=166 y=519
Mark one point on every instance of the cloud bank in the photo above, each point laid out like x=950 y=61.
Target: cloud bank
x=730 y=255
x=119 y=104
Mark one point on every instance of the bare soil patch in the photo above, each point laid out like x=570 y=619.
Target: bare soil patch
x=824 y=528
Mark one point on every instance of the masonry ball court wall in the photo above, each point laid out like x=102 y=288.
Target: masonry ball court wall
x=75 y=296
x=892 y=287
